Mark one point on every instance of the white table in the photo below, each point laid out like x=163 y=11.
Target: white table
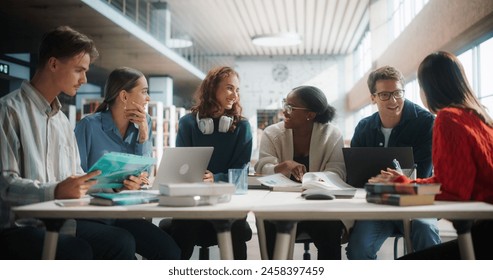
x=290 y=207
x=223 y=213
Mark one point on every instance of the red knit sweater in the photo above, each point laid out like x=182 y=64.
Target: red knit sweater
x=462 y=156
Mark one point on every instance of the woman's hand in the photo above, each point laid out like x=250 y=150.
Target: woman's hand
x=208 y=176
x=137 y=115
x=385 y=176
x=290 y=167
x=136 y=182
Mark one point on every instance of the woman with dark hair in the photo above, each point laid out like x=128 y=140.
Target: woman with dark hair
x=216 y=121
x=305 y=141
x=462 y=125
x=121 y=124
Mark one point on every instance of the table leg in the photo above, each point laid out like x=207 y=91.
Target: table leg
x=464 y=238
x=261 y=238
x=51 y=238
x=49 y=246
x=224 y=241
x=283 y=239
x=466 y=246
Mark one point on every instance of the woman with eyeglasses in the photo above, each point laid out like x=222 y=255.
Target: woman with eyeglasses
x=305 y=141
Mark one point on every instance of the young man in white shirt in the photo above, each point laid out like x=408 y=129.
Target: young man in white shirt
x=40 y=159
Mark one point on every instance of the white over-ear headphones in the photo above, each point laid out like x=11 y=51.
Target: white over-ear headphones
x=206 y=125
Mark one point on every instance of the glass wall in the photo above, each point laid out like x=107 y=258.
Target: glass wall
x=477 y=65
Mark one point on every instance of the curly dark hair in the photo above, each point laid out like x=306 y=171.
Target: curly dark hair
x=205 y=96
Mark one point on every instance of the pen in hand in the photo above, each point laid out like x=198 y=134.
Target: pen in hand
x=397 y=166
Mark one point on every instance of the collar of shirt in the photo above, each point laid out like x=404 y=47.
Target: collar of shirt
x=40 y=102
x=109 y=125
x=408 y=113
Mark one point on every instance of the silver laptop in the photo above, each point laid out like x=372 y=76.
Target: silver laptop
x=362 y=163
x=182 y=165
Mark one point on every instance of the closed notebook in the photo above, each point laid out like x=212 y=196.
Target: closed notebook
x=402 y=188
x=193 y=200
x=400 y=199
x=123 y=198
x=199 y=188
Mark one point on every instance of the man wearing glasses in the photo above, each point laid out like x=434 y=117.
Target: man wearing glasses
x=398 y=123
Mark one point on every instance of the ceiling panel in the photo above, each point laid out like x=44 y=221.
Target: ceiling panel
x=221 y=29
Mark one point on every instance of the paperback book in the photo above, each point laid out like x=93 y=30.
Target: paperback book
x=401 y=188
x=400 y=199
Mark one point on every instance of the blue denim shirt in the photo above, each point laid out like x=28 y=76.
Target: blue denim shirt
x=97 y=135
x=414 y=130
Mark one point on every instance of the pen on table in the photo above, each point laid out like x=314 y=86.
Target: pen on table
x=397 y=166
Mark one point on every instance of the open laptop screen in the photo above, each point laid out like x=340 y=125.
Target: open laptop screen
x=182 y=165
x=362 y=163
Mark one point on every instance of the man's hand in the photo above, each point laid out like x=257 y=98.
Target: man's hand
x=75 y=186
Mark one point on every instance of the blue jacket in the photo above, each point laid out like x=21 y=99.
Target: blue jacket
x=414 y=130
x=231 y=149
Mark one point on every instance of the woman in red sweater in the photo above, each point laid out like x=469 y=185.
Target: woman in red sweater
x=462 y=149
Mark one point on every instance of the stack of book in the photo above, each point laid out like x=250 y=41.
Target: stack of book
x=400 y=194
x=195 y=194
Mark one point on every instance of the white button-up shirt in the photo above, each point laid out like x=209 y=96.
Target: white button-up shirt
x=38 y=149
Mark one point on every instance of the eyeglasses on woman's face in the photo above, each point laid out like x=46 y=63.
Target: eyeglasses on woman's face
x=288 y=109
x=386 y=95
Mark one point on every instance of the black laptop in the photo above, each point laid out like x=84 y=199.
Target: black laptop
x=362 y=163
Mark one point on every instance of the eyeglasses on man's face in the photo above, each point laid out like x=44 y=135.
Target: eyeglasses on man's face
x=386 y=95
x=288 y=109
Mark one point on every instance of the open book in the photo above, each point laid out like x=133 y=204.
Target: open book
x=116 y=167
x=328 y=181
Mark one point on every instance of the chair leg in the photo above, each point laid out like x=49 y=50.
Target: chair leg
x=204 y=253
x=306 y=254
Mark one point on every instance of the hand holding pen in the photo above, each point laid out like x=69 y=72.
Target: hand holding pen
x=397 y=166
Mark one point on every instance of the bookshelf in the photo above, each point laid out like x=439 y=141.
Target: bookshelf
x=89 y=106
x=164 y=126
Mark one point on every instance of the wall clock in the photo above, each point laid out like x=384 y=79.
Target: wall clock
x=280 y=73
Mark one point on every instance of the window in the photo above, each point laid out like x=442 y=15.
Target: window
x=475 y=61
x=402 y=13
x=362 y=56
x=485 y=58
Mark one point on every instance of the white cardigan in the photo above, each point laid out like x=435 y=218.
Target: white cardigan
x=325 y=149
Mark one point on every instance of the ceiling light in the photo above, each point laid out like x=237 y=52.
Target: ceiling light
x=177 y=43
x=277 y=40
